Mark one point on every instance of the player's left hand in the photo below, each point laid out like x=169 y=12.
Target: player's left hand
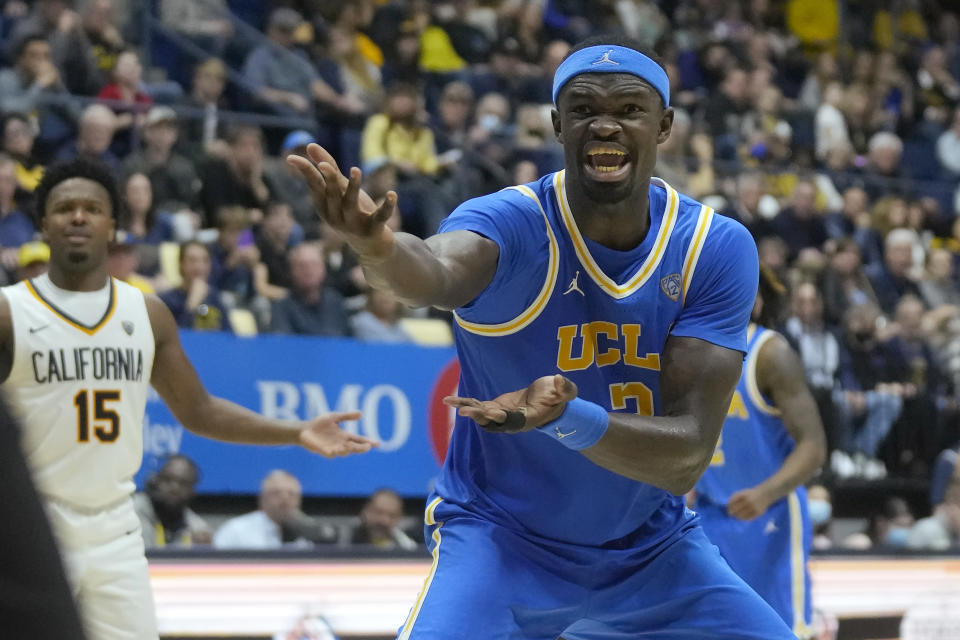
x=748 y=504
x=521 y=410
x=323 y=435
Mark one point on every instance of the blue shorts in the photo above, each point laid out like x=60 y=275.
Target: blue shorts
x=491 y=582
x=770 y=553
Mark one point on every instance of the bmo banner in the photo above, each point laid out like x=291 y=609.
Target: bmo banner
x=399 y=389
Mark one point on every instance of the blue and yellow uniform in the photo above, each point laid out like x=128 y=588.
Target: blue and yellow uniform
x=770 y=552
x=531 y=539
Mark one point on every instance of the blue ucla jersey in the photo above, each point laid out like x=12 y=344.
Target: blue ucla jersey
x=561 y=303
x=754 y=443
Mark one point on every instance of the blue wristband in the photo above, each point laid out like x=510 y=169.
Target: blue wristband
x=581 y=425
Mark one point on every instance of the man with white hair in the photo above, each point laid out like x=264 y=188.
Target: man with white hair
x=94 y=135
x=891 y=279
x=883 y=170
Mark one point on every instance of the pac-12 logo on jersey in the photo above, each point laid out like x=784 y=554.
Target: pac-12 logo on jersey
x=671 y=286
x=127 y=327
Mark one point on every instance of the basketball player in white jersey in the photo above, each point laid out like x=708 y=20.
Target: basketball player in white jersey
x=77 y=351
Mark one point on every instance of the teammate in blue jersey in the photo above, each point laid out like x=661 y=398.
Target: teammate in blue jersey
x=751 y=499
x=559 y=511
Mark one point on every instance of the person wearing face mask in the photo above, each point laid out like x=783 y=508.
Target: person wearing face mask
x=886 y=530
x=821 y=511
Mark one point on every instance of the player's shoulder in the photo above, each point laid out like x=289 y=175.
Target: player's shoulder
x=512 y=208
x=776 y=356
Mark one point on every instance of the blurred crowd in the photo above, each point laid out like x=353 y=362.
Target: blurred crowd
x=831 y=129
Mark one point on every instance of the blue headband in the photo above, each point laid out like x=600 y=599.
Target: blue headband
x=612 y=59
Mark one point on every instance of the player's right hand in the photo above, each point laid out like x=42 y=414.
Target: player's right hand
x=522 y=410
x=344 y=205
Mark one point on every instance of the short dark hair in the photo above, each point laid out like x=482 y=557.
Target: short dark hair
x=25 y=41
x=617 y=40
x=78 y=168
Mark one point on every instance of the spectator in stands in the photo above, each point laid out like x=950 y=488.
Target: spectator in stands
x=844 y=283
x=453 y=119
x=397 y=136
x=312 y=308
x=380 y=319
x=71 y=52
x=97 y=125
x=166 y=519
x=853 y=215
x=800 y=224
x=948 y=146
x=820 y=508
x=33 y=78
x=123 y=261
x=172 y=176
x=830 y=127
x=892 y=279
x=380 y=523
x=283 y=76
x=196 y=304
x=275 y=236
x=206 y=23
x=106 y=41
x=939 y=90
x=727 y=111
x=125 y=95
x=945 y=470
x=280 y=496
x=883 y=171
x=33 y=259
x=940 y=531
x=234 y=255
x=19 y=133
x=237 y=179
x=16 y=227
x=205 y=135
x=870 y=396
x=916 y=436
x=144 y=223
x=887 y=529
x=284 y=181
x=939 y=285
x=825 y=72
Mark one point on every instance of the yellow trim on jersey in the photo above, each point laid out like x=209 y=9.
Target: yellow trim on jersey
x=798 y=574
x=540 y=302
x=696 y=246
x=428 y=516
x=649 y=265
x=73 y=323
x=751 y=329
x=753 y=387
x=415 y=611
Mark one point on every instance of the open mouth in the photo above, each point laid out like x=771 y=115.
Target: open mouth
x=606 y=163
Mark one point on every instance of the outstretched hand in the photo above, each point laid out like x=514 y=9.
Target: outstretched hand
x=522 y=410
x=323 y=435
x=344 y=205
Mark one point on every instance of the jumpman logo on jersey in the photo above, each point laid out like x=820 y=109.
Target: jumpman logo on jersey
x=605 y=59
x=575 y=286
x=561 y=435
x=771 y=527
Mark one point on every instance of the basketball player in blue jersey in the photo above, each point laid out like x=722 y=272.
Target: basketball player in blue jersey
x=751 y=499
x=78 y=351
x=562 y=514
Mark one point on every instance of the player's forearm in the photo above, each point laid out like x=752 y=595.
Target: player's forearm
x=223 y=420
x=414 y=274
x=669 y=452
x=806 y=457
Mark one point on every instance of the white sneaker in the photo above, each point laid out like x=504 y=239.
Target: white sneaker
x=841 y=464
x=874 y=469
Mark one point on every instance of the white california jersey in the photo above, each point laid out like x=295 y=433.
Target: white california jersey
x=80 y=393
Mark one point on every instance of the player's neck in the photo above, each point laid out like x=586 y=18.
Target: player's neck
x=92 y=280
x=619 y=225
